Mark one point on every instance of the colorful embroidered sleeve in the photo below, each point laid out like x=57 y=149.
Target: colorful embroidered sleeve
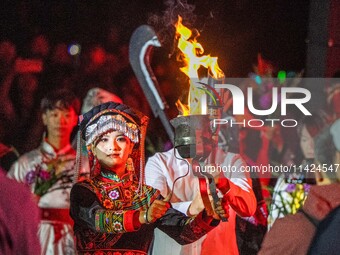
x=86 y=210
x=108 y=221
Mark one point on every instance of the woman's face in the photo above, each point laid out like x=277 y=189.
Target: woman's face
x=307 y=144
x=112 y=151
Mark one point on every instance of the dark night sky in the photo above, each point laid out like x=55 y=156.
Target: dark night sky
x=233 y=30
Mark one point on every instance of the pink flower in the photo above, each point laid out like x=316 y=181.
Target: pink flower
x=291 y=187
x=114 y=194
x=44 y=175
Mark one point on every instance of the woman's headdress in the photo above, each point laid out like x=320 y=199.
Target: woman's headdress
x=108 y=117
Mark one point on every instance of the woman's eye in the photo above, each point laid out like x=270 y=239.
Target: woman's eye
x=121 y=139
x=104 y=139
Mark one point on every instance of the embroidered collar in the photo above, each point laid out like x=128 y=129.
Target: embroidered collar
x=114 y=177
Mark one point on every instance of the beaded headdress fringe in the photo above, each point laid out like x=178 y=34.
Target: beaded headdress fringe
x=78 y=157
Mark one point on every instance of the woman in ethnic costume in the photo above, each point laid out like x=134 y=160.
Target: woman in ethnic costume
x=113 y=211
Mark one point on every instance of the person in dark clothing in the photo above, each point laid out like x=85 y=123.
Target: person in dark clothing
x=326 y=239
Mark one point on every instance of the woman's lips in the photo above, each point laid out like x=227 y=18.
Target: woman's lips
x=116 y=155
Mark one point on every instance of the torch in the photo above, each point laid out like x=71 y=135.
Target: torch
x=193 y=140
x=193 y=133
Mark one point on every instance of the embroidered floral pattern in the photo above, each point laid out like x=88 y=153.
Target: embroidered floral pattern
x=111 y=224
x=122 y=252
x=133 y=187
x=89 y=245
x=114 y=194
x=127 y=194
x=99 y=253
x=108 y=204
x=118 y=226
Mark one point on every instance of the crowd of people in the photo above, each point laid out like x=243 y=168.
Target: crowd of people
x=103 y=183
x=29 y=72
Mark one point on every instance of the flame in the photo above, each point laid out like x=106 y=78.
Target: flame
x=193 y=53
x=182 y=108
x=193 y=58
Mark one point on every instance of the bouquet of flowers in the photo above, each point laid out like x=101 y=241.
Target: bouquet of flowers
x=288 y=198
x=292 y=198
x=44 y=176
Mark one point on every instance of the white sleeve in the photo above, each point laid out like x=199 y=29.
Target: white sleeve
x=154 y=175
x=238 y=177
x=157 y=176
x=18 y=170
x=182 y=206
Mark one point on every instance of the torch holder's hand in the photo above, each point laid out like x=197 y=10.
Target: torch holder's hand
x=208 y=191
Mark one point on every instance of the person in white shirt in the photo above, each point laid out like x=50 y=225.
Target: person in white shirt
x=164 y=168
x=49 y=171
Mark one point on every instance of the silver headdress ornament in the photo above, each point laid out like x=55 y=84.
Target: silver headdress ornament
x=111 y=122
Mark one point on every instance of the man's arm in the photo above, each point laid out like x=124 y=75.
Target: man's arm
x=158 y=176
x=236 y=186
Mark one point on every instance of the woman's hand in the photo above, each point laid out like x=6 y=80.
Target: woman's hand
x=157 y=209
